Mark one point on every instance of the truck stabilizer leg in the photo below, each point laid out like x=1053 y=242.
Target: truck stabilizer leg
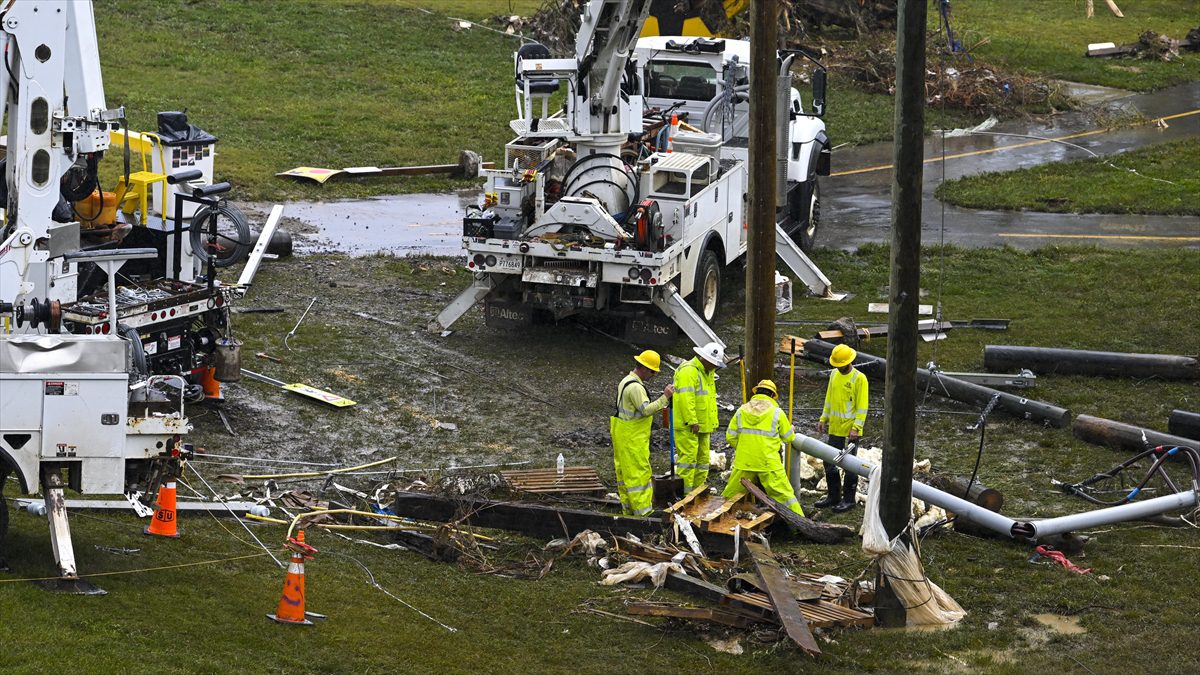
x=673 y=305
x=60 y=539
x=477 y=291
x=804 y=269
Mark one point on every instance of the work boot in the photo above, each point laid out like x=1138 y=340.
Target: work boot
x=844 y=505
x=828 y=500
x=835 y=490
x=849 y=490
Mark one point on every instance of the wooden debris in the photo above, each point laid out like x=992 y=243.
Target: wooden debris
x=822 y=533
x=786 y=606
x=715 y=513
x=538 y=520
x=549 y=481
x=713 y=614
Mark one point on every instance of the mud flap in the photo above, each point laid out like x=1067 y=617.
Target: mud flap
x=651 y=329
x=507 y=315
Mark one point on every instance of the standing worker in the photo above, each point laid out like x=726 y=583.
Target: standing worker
x=696 y=413
x=843 y=417
x=757 y=433
x=630 y=429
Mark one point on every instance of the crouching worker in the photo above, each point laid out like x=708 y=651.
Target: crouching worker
x=757 y=433
x=630 y=429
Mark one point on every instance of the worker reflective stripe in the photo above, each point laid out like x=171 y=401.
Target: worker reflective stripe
x=685 y=390
x=791 y=501
x=638 y=488
x=642 y=512
x=758 y=432
x=690 y=466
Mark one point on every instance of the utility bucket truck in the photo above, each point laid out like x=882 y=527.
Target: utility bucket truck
x=95 y=366
x=630 y=200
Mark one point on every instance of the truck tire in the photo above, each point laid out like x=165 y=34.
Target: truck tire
x=805 y=210
x=706 y=291
x=3 y=511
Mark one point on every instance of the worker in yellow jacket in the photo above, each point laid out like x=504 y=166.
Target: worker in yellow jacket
x=630 y=429
x=758 y=432
x=844 y=415
x=695 y=413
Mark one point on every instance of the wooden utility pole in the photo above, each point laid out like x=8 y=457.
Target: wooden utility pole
x=900 y=387
x=760 y=239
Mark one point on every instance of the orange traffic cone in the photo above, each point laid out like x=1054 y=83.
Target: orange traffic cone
x=164 y=524
x=291 y=602
x=212 y=388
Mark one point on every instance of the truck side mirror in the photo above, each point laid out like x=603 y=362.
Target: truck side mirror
x=818 y=95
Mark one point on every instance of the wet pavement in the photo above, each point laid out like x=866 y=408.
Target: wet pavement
x=401 y=225
x=856 y=199
x=856 y=202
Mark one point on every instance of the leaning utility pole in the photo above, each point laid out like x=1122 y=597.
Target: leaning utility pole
x=760 y=239
x=900 y=387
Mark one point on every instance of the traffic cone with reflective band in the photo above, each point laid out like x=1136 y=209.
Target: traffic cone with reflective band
x=291 y=602
x=163 y=524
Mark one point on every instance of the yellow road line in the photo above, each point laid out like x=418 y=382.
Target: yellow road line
x=1093 y=132
x=1101 y=236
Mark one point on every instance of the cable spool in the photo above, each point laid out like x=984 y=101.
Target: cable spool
x=232 y=247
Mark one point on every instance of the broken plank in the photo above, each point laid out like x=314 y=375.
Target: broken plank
x=537 y=520
x=822 y=533
x=716 y=615
x=781 y=597
x=882 y=308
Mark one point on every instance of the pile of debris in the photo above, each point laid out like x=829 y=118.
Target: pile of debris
x=1150 y=46
x=957 y=81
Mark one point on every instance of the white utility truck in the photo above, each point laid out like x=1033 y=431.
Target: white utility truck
x=615 y=203
x=91 y=388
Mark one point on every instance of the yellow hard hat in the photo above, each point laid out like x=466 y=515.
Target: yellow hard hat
x=650 y=359
x=766 y=386
x=842 y=355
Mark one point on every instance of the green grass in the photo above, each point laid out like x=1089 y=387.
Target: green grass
x=858 y=117
x=1049 y=37
x=1166 y=182
x=210 y=618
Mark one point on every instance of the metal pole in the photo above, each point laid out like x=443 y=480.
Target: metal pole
x=760 y=245
x=900 y=386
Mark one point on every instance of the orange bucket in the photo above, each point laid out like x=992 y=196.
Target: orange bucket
x=98 y=209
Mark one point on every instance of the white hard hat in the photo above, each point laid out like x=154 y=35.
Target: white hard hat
x=712 y=352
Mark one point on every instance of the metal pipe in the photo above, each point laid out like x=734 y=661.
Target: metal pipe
x=997 y=358
x=1114 y=514
x=963 y=508
x=1025 y=529
x=944 y=385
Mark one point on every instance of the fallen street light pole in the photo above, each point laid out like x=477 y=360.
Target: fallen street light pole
x=944 y=385
x=1010 y=527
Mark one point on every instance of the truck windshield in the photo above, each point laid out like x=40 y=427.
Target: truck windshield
x=681 y=81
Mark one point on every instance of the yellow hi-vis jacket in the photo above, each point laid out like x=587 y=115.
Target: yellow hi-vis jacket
x=758 y=431
x=695 y=400
x=845 y=402
x=631 y=425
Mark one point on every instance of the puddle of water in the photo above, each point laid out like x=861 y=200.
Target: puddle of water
x=402 y=225
x=1065 y=625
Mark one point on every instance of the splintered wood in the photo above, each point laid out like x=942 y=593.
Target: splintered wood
x=714 y=513
x=549 y=481
x=818 y=614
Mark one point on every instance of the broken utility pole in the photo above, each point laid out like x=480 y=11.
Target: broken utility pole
x=760 y=244
x=900 y=386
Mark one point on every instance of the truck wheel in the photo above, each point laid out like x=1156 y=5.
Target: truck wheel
x=706 y=292
x=3 y=511
x=806 y=213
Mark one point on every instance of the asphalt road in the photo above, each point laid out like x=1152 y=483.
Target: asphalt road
x=856 y=199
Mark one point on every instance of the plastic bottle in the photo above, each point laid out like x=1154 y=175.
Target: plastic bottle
x=36 y=508
x=562 y=464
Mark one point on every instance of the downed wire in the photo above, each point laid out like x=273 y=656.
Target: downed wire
x=371 y=581
x=1161 y=455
